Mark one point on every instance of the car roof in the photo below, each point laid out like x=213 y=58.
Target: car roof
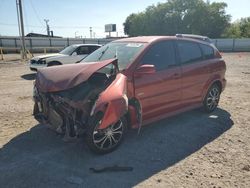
x=146 y=39
x=150 y=39
x=188 y=37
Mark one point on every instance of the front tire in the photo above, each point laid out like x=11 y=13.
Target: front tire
x=212 y=98
x=102 y=141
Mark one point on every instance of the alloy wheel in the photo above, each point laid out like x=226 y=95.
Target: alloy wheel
x=213 y=98
x=108 y=138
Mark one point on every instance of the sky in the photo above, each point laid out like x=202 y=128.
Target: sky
x=72 y=18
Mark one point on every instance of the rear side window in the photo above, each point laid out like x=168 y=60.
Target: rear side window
x=208 y=51
x=161 y=55
x=189 y=51
x=83 y=50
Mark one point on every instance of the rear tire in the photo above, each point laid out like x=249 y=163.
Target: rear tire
x=212 y=98
x=105 y=140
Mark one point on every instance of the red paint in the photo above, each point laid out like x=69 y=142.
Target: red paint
x=174 y=90
x=58 y=78
x=113 y=101
x=160 y=93
x=164 y=93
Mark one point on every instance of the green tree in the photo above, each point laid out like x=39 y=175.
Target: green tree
x=245 y=27
x=179 y=16
x=238 y=29
x=233 y=31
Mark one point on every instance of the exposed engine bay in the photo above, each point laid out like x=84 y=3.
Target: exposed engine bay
x=88 y=98
x=68 y=111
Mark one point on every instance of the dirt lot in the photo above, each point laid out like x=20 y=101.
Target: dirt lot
x=192 y=149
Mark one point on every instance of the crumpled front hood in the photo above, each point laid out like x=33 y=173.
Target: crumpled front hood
x=58 y=78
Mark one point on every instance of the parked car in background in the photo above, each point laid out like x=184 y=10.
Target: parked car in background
x=71 y=54
x=128 y=83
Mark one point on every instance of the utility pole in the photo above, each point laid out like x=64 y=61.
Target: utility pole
x=47 y=26
x=90 y=32
x=20 y=19
x=76 y=34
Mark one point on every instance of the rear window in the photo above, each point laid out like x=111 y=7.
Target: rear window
x=93 y=48
x=208 y=51
x=189 y=51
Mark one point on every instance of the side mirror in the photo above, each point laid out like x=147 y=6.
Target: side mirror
x=145 y=69
x=74 y=54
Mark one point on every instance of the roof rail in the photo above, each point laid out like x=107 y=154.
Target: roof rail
x=197 y=37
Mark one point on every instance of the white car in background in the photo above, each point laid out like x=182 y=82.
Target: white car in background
x=70 y=54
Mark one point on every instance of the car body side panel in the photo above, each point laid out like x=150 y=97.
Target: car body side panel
x=218 y=69
x=158 y=93
x=194 y=77
x=113 y=102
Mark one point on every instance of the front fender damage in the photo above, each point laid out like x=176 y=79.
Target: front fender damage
x=112 y=102
x=70 y=111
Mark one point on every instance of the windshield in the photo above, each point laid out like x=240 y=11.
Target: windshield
x=68 y=50
x=125 y=52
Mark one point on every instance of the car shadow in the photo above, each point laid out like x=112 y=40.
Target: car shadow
x=40 y=158
x=31 y=76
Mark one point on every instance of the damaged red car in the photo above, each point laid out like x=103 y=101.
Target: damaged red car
x=128 y=83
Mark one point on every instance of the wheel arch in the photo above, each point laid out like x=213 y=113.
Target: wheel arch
x=113 y=102
x=217 y=82
x=134 y=113
x=52 y=63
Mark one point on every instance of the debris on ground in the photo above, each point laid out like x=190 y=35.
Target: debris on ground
x=114 y=168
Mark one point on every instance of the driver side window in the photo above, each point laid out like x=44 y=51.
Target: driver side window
x=161 y=55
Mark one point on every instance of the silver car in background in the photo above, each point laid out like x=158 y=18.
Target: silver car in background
x=71 y=54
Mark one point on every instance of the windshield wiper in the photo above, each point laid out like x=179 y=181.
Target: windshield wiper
x=103 y=52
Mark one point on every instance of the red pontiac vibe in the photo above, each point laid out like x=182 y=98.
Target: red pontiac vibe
x=128 y=83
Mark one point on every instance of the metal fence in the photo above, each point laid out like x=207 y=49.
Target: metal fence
x=232 y=45
x=34 y=44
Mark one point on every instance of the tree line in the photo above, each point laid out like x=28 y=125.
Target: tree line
x=186 y=16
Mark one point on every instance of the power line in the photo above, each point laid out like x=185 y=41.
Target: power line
x=59 y=27
x=14 y=25
x=35 y=11
x=79 y=27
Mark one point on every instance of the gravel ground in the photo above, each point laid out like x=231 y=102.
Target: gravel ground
x=192 y=149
